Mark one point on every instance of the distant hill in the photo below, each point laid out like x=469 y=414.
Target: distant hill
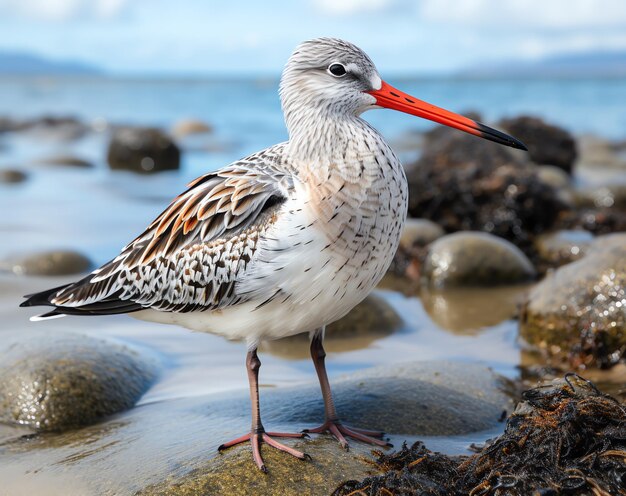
x=590 y=64
x=21 y=63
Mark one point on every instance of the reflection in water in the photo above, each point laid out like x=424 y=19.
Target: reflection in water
x=370 y=320
x=468 y=310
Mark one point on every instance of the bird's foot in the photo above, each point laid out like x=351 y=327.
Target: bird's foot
x=257 y=438
x=341 y=432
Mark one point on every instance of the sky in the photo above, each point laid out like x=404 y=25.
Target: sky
x=206 y=36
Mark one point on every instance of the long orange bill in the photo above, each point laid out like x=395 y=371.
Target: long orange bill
x=389 y=97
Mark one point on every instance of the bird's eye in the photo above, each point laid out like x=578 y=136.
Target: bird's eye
x=337 y=70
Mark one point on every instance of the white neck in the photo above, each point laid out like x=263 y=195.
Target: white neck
x=324 y=135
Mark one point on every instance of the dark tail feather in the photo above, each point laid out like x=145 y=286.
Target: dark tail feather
x=110 y=306
x=43 y=298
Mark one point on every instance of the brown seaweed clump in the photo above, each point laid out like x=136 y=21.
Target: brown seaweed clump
x=563 y=438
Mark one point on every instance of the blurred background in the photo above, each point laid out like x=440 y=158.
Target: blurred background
x=108 y=108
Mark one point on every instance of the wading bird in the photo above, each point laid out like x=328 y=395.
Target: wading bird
x=284 y=241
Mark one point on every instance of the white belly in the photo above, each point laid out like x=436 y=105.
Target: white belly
x=309 y=272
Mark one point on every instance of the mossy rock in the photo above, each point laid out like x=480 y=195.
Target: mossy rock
x=577 y=314
x=54 y=383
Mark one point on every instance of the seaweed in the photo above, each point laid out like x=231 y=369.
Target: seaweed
x=565 y=437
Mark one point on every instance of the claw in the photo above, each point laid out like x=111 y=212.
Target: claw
x=256 y=439
x=341 y=432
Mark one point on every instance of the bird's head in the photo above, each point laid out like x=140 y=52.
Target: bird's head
x=338 y=78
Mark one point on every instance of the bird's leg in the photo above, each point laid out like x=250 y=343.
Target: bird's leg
x=257 y=434
x=332 y=424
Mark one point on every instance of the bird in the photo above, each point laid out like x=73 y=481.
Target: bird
x=284 y=241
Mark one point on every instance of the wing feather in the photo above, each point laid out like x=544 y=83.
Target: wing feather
x=191 y=256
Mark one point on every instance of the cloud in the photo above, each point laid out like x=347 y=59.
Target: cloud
x=349 y=7
x=61 y=10
x=552 y=14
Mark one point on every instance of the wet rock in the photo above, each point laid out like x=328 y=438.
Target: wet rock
x=418 y=398
x=56 y=382
x=419 y=232
x=553 y=176
x=475 y=259
x=143 y=150
x=448 y=147
x=595 y=220
x=471 y=310
x=607 y=195
x=598 y=152
x=545 y=450
x=370 y=320
x=187 y=127
x=47 y=263
x=68 y=160
x=577 y=314
x=8 y=125
x=12 y=176
x=57 y=128
x=464 y=183
x=562 y=247
x=170 y=447
x=547 y=144
x=233 y=474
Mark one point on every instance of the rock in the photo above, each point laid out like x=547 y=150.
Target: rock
x=547 y=144
x=577 y=314
x=142 y=150
x=419 y=232
x=11 y=176
x=448 y=147
x=597 y=152
x=170 y=447
x=410 y=399
x=475 y=259
x=607 y=195
x=553 y=176
x=47 y=263
x=57 y=382
x=595 y=220
x=464 y=183
x=65 y=160
x=416 y=236
x=57 y=128
x=470 y=310
x=232 y=473
x=562 y=247
x=187 y=127
x=7 y=124
x=370 y=320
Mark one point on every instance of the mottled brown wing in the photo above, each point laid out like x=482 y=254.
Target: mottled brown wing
x=191 y=256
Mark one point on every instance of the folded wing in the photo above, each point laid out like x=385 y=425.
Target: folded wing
x=191 y=257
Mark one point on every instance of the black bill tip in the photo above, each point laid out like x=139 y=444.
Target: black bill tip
x=499 y=137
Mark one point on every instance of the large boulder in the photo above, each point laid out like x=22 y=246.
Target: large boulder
x=547 y=144
x=577 y=314
x=142 y=150
x=475 y=259
x=57 y=382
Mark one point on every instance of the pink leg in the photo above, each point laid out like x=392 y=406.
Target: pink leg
x=332 y=424
x=257 y=435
